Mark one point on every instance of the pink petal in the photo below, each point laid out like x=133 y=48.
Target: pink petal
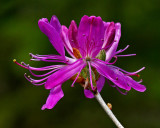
x=55 y=23
x=55 y=95
x=106 y=24
x=88 y=93
x=135 y=85
x=64 y=74
x=90 y=35
x=109 y=36
x=100 y=84
x=52 y=34
x=112 y=50
x=66 y=41
x=73 y=34
x=112 y=74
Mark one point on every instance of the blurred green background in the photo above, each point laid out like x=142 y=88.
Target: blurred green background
x=20 y=101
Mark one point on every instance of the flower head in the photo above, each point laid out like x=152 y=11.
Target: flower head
x=91 y=47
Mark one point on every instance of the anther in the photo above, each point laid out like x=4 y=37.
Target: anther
x=30 y=54
x=14 y=60
x=138 y=75
x=109 y=105
x=29 y=77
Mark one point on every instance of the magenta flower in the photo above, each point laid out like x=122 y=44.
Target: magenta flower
x=91 y=46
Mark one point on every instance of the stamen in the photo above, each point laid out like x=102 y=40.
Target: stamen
x=112 y=85
x=107 y=62
x=127 y=73
x=30 y=80
x=90 y=76
x=122 y=50
x=126 y=55
x=113 y=61
x=47 y=58
x=25 y=75
x=33 y=81
x=133 y=75
x=115 y=86
x=124 y=93
x=39 y=83
x=140 y=81
x=14 y=60
x=30 y=54
x=76 y=77
x=43 y=68
x=48 y=73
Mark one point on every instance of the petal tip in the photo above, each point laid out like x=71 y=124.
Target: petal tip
x=54 y=17
x=142 y=90
x=128 y=88
x=43 y=20
x=45 y=107
x=73 y=22
x=118 y=24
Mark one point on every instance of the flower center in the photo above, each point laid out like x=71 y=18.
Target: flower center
x=88 y=59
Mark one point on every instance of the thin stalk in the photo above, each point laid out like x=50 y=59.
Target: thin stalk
x=107 y=110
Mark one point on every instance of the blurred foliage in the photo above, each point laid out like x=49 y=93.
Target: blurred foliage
x=21 y=102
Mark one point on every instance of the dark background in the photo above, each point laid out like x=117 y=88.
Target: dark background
x=20 y=101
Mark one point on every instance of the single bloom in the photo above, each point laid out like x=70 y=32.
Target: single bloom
x=93 y=52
